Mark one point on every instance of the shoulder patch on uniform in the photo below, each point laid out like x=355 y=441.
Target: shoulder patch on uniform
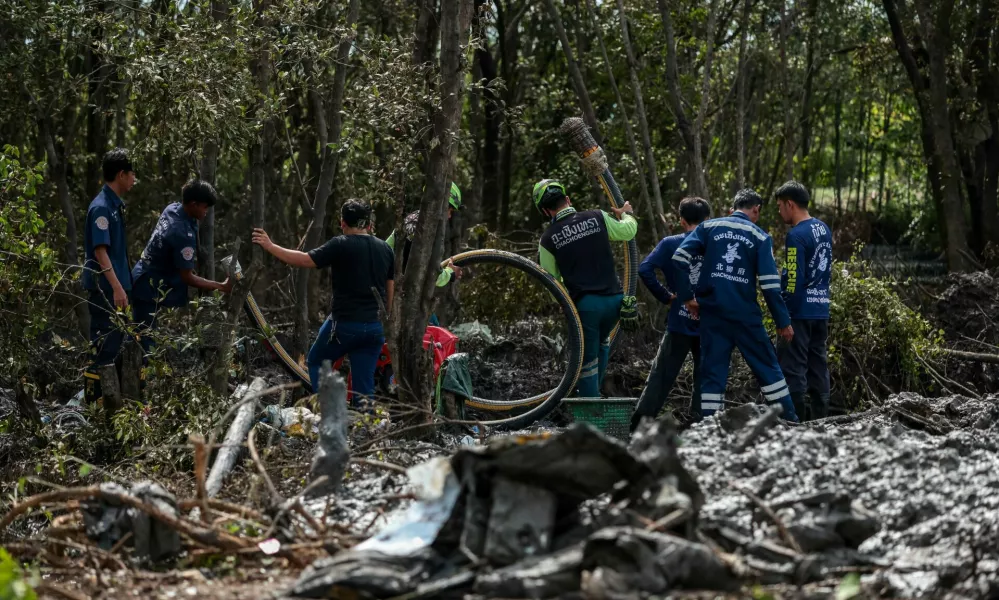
x=102 y=223
x=187 y=253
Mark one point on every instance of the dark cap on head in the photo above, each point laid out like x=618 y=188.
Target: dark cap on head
x=356 y=214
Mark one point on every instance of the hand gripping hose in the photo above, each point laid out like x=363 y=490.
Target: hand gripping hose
x=594 y=163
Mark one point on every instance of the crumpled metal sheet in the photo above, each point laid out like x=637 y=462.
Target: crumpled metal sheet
x=578 y=464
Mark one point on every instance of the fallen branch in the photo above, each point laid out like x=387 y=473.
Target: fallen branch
x=200 y=473
x=226 y=458
x=761 y=424
x=974 y=356
x=223 y=507
x=290 y=504
x=55 y=590
x=276 y=497
x=943 y=381
x=201 y=535
x=379 y=464
x=781 y=528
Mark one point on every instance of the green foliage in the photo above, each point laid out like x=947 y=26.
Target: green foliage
x=15 y=582
x=875 y=341
x=28 y=270
x=849 y=587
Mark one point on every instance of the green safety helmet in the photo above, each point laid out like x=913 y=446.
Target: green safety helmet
x=541 y=187
x=455 y=199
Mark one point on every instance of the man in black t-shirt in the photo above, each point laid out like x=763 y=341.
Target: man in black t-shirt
x=361 y=266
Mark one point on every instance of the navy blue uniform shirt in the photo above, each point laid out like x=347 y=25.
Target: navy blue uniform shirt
x=736 y=254
x=679 y=320
x=807 y=269
x=171 y=249
x=105 y=226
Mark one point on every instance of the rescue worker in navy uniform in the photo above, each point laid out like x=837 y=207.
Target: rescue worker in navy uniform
x=682 y=328
x=736 y=253
x=575 y=248
x=166 y=269
x=361 y=265
x=106 y=275
x=805 y=281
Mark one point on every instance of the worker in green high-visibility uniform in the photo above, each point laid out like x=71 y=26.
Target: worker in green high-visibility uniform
x=575 y=248
x=409 y=228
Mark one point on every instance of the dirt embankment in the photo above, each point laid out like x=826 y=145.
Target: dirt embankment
x=967 y=310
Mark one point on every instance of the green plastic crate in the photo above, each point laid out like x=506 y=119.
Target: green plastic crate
x=610 y=415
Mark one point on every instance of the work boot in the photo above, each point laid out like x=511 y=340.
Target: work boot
x=92 y=391
x=789 y=414
x=820 y=405
x=799 y=400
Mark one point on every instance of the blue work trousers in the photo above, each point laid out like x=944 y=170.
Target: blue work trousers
x=361 y=342
x=106 y=333
x=599 y=315
x=144 y=312
x=719 y=336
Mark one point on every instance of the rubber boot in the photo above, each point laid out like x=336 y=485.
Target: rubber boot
x=819 y=405
x=789 y=414
x=799 y=400
x=92 y=386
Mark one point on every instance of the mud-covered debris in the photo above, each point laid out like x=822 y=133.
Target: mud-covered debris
x=738 y=417
x=364 y=574
x=632 y=559
x=538 y=577
x=521 y=522
x=108 y=522
x=513 y=506
x=577 y=465
x=332 y=452
x=915 y=494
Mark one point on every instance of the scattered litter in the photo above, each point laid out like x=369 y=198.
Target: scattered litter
x=270 y=546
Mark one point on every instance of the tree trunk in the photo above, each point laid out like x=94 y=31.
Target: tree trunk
x=644 y=201
x=806 y=104
x=58 y=171
x=98 y=105
x=413 y=366
x=837 y=164
x=333 y=121
x=206 y=231
x=938 y=45
x=740 y=110
x=865 y=159
x=258 y=150
x=931 y=91
x=883 y=164
x=577 y=76
x=702 y=107
x=786 y=93
x=698 y=186
x=207 y=172
x=643 y=124
x=492 y=122
x=865 y=118
x=986 y=67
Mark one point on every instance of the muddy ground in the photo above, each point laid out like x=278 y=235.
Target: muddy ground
x=925 y=470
